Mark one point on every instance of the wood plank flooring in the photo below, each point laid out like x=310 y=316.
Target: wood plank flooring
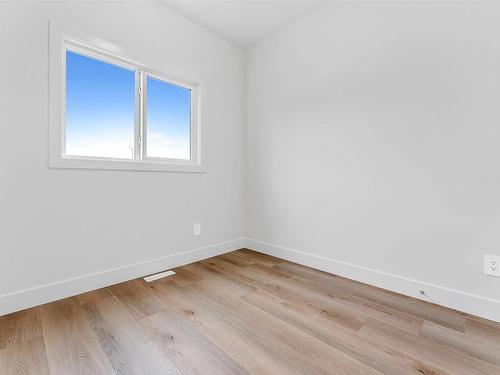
x=246 y=313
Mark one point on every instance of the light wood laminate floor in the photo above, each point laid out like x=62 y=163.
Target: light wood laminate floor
x=246 y=313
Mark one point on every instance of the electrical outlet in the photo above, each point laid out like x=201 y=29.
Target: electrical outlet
x=491 y=265
x=197 y=229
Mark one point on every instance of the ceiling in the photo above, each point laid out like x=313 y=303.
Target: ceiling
x=244 y=22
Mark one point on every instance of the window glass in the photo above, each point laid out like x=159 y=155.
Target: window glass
x=168 y=120
x=100 y=108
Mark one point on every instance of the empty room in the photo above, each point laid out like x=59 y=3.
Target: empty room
x=250 y=187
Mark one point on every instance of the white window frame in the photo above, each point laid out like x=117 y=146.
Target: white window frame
x=140 y=160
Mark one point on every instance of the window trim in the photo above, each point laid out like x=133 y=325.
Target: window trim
x=57 y=123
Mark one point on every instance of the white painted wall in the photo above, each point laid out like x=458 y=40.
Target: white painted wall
x=58 y=224
x=373 y=139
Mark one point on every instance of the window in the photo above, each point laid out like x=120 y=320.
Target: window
x=100 y=108
x=167 y=120
x=117 y=114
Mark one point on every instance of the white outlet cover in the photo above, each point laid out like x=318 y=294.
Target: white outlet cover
x=197 y=229
x=492 y=265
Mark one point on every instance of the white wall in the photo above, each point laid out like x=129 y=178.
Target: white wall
x=59 y=224
x=373 y=144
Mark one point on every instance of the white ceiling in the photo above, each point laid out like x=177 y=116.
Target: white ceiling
x=244 y=22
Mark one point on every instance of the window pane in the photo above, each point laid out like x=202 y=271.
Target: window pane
x=168 y=120
x=100 y=108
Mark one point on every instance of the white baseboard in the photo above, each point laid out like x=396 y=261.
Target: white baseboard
x=26 y=298
x=473 y=304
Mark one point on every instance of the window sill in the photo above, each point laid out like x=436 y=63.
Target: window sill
x=127 y=165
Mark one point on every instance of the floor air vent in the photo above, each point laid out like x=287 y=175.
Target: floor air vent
x=159 y=275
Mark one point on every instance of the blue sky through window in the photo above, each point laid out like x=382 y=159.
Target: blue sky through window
x=100 y=112
x=100 y=99
x=168 y=120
